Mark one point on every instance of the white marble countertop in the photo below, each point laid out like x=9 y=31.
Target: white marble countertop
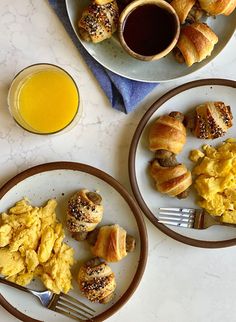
x=181 y=283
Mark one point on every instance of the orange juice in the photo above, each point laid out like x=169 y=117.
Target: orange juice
x=44 y=99
x=48 y=101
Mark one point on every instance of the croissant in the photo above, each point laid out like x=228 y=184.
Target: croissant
x=172 y=180
x=97 y=281
x=182 y=8
x=167 y=133
x=99 y=20
x=211 y=120
x=111 y=243
x=84 y=212
x=218 y=7
x=195 y=43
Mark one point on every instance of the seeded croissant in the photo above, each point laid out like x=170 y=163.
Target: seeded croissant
x=99 y=20
x=210 y=120
x=97 y=281
x=84 y=212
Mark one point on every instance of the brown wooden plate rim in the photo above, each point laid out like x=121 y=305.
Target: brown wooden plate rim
x=126 y=196
x=132 y=171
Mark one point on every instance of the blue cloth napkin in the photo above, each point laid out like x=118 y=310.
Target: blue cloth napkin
x=124 y=94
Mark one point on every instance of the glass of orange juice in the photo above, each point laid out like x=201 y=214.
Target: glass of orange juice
x=44 y=99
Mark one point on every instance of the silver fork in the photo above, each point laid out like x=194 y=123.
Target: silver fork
x=61 y=303
x=188 y=218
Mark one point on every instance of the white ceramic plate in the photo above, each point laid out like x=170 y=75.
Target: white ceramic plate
x=60 y=180
x=183 y=99
x=111 y=55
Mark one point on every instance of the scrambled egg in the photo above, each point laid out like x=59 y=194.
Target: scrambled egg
x=31 y=244
x=216 y=179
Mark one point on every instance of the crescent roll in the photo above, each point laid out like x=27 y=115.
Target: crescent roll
x=196 y=42
x=171 y=180
x=111 y=243
x=218 y=7
x=182 y=8
x=84 y=212
x=97 y=281
x=167 y=133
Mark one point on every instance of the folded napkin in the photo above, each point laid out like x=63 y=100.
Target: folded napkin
x=124 y=94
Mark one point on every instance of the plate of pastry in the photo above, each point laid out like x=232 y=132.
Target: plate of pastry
x=206 y=27
x=71 y=228
x=183 y=155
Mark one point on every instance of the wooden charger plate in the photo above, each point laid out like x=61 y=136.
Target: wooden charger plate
x=183 y=98
x=60 y=180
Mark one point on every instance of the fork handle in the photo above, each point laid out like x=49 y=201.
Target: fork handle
x=210 y=220
x=9 y=283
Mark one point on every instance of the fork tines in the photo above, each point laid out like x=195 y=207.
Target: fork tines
x=182 y=217
x=69 y=306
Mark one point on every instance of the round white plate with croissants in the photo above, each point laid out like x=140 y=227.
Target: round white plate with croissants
x=146 y=187
x=111 y=55
x=59 y=181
